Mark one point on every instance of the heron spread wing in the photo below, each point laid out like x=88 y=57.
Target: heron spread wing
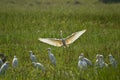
x=70 y=39
x=52 y=41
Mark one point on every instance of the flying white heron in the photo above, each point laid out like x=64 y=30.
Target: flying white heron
x=63 y=41
x=4 y=67
x=52 y=57
x=15 y=62
x=32 y=56
x=112 y=60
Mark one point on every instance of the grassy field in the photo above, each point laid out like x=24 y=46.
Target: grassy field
x=22 y=22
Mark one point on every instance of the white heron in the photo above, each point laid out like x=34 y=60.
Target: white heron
x=32 y=56
x=15 y=62
x=86 y=59
x=51 y=57
x=112 y=60
x=100 y=61
x=82 y=64
x=38 y=65
x=4 y=67
x=63 y=41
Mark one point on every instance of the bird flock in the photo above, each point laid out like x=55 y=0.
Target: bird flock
x=83 y=62
x=99 y=63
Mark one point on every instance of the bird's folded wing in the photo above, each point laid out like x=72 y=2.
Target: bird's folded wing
x=88 y=61
x=52 y=41
x=70 y=39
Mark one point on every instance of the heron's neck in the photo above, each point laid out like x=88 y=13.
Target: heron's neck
x=30 y=53
x=49 y=52
x=61 y=35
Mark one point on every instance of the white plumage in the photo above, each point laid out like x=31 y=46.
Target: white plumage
x=4 y=67
x=51 y=57
x=82 y=63
x=32 y=56
x=112 y=60
x=86 y=59
x=15 y=62
x=38 y=65
x=63 y=41
x=100 y=61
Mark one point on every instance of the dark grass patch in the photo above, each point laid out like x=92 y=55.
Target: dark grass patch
x=38 y=2
x=47 y=3
x=68 y=2
x=77 y=2
x=110 y=1
x=12 y=2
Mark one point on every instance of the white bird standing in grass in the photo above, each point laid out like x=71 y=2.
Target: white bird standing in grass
x=87 y=60
x=112 y=60
x=15 y=62
x=82 y=64
x=32 y=56
x=63 y=41
x=38 y=65
x=4 y=67
x=52 y=57
x=100 y=61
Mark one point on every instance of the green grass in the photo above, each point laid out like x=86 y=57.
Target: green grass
x=22 y=22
